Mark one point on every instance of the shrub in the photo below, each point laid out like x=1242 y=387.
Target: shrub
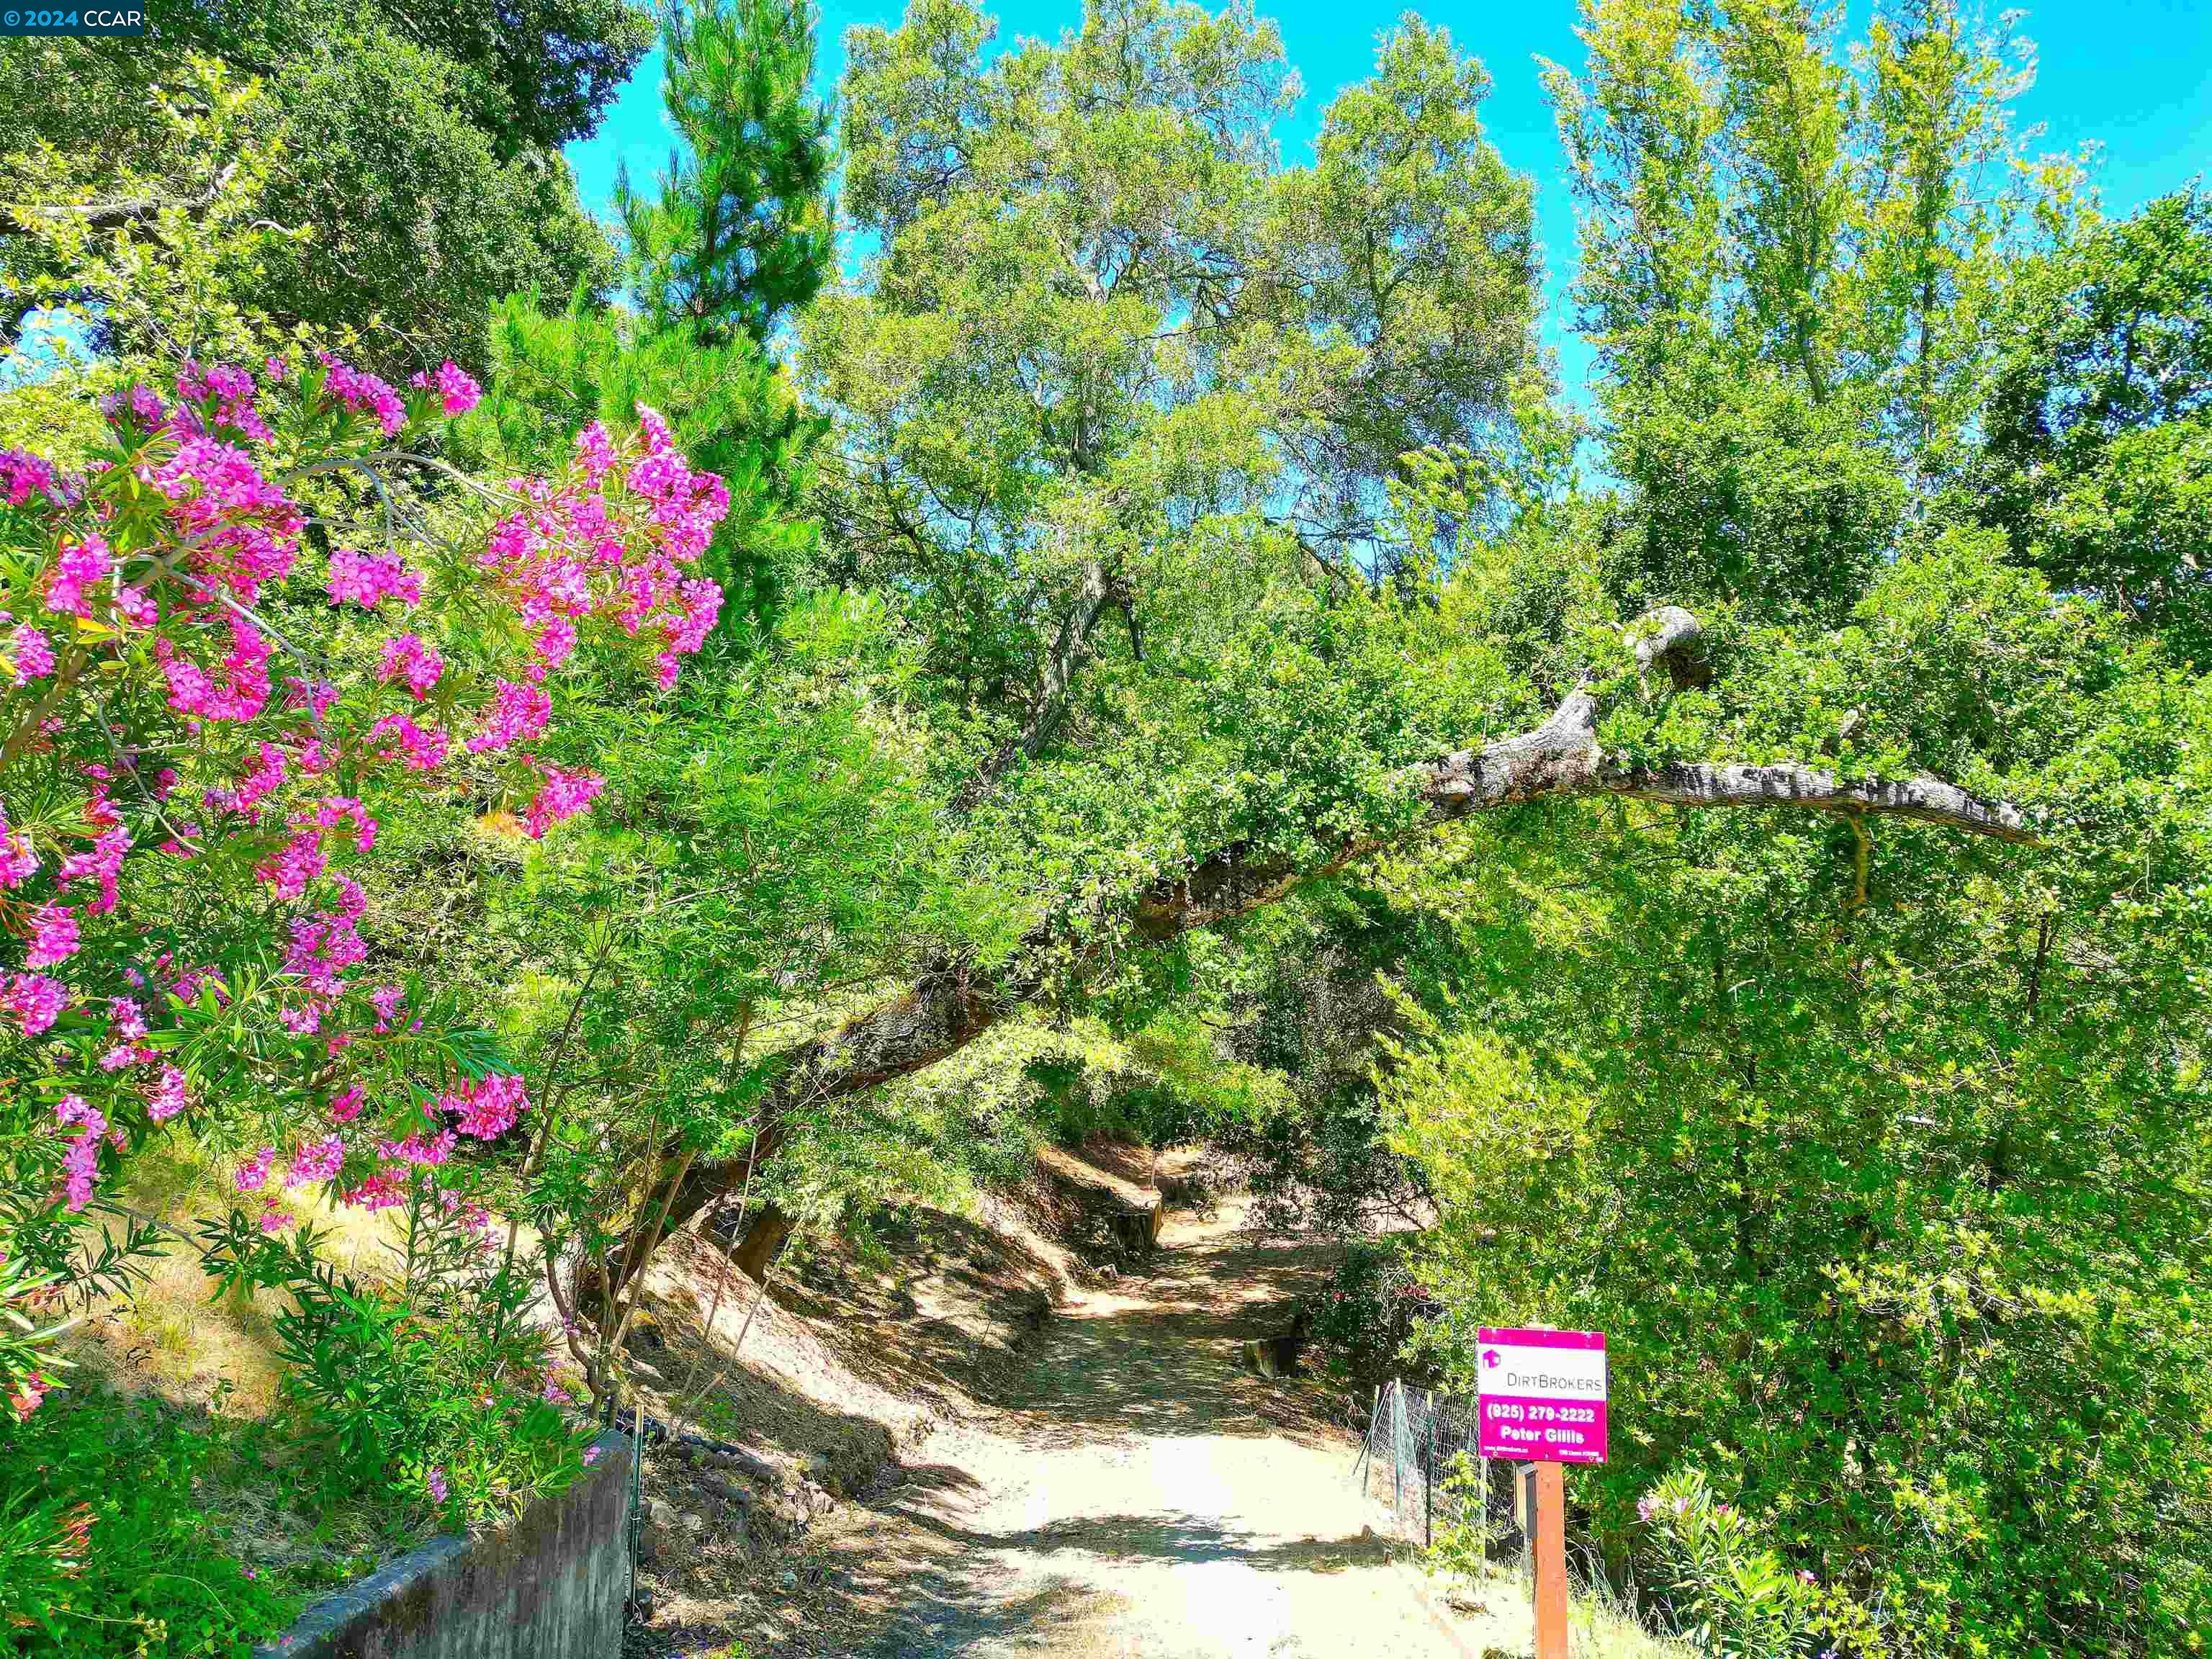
x=188 y=786
x=1731 y=1594
x=434 y=1382
x=1363 y=1319
x=106 y=1546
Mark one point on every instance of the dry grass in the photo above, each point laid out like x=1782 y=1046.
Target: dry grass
x=1494 y=1617
x=166 y=1345
x=165 y=1337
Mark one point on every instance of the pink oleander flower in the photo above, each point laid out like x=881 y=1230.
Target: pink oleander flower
x=595 y=453
x=556 y=641
x=53 y=936
x=487 y=1108
x=518 y=713
x=104 y=863
x=590 y=1456
x=290 y=870
x=364 y=394
x=421 y=749
x=316 y=1160
x=129 y=1020
x=242 y=529
x=275 y=1219
x=33 y=655
x=240 y=694
x=346 y=1106
x=80 y=565
x=367 y=578
x=457 y=394
x=253 y=1175
x=407 y=659
x=384 y=1190
x=260 y=781
x=80 y=1163
x=336 y=810
x=562 y=797
x=141 y=404
x=315 y=697
x=323 y=946
x=427 y=1152
x=304 y=1020
x=386 y=999
x=229 y=393
x=23 y=476
x=169 y=1097
x=18 y=863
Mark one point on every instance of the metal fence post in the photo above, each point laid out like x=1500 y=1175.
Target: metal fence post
x=636 y=1472
x=1363 y=1467
x=1429 y=1486
x=1397 y=1456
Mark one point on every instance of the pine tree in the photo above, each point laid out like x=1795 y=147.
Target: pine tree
x=740 y=232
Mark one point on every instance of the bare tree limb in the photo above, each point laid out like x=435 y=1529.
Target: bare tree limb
x=110 y=215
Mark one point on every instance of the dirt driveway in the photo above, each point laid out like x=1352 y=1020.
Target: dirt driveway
x=1145 y=1496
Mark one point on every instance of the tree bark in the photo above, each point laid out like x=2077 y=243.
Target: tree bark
x=956 y=1001
x=1054 y=693
x=756 y=1251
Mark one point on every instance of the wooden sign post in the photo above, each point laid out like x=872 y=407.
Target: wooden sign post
x=1542 y=1397
x=1550 y=1561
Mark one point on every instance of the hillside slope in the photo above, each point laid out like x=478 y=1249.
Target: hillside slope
x=1109 y=1480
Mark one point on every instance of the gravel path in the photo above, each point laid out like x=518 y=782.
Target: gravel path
x=1146 y=1496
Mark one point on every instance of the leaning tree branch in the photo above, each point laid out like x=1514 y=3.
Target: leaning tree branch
x=110 y=215
x=956 y=1001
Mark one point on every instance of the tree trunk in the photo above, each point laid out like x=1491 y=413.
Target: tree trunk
x=756 y=1251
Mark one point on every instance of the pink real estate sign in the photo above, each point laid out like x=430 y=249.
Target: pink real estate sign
x=1541 y=1394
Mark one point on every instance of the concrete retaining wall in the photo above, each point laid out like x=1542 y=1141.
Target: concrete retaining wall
x=549 y=1587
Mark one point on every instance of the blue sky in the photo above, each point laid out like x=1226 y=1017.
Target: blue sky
x=2132 y=77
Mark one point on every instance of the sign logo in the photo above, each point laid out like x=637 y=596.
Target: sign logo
x=1542 y=1396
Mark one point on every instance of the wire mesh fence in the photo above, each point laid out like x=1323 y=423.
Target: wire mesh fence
x=1420 y=1458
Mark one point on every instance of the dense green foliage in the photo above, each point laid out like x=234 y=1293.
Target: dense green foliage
x=535 y=74
x=1882 y=1164
x=2098 y=447
x=1145 y=504
x=115 y=1540
x=739 y=233
x=335 y=167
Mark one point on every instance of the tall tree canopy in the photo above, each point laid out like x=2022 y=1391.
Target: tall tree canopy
x=739 y=233
x=1110 y=344
x=251 y=170
x=534 y=74
x=2097 y=462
